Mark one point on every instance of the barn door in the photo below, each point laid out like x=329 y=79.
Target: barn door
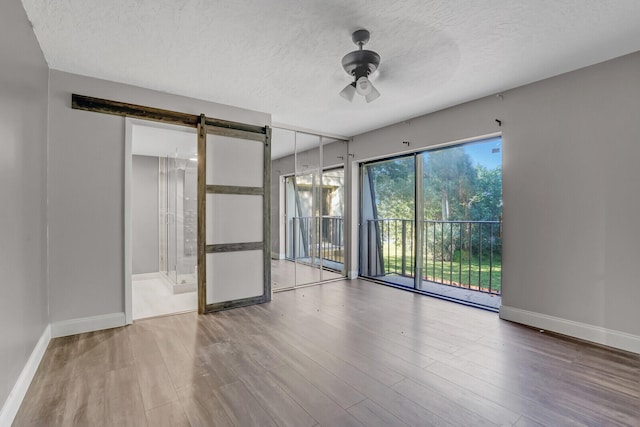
x=234 y=255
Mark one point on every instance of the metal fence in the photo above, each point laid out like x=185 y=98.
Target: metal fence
x=457 y=253
x=315 y=238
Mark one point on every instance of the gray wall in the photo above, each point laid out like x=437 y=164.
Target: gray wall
x=144 y=215
x=571 y=188
x=86 y=191
x=23 y=154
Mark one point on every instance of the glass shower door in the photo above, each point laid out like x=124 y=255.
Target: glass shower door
x=170 y=219
x=186 y=221
x=162 y=216
x=178 y=221
x=167 y=212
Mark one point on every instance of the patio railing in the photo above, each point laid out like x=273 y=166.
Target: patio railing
x=464 y=254
x=457 y=253
x=316 y=238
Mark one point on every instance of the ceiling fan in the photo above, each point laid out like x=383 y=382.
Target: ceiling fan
x=360 y=64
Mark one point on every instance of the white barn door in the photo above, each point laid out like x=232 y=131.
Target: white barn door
x=234 y=256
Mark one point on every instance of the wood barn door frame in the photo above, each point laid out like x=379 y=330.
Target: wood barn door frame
x=205 y=125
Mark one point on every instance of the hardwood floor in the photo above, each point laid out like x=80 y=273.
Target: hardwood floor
x=345 y=353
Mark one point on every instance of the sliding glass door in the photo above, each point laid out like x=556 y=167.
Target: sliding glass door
x=431 y=222
x=387 y=230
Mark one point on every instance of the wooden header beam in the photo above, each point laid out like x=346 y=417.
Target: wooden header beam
x=105 y=106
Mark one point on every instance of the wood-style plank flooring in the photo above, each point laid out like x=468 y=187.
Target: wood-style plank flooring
x=347 y=353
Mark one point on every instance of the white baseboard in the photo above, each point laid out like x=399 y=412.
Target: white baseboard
x=59 y=329
x=14 y=400
x=87 y=324
x=584 y=331
x=353 y=275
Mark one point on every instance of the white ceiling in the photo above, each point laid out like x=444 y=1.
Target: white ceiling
x=283 y=56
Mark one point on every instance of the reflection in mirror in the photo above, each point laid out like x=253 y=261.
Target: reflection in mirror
x=309 y=211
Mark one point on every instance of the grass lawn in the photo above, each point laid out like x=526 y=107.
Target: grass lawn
x=460 y=271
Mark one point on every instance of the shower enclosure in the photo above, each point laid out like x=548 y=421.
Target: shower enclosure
x=178 y=222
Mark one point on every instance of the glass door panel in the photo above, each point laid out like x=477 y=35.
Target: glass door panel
x=162 y=212
x=306 y=223
x=314 y=211
x=462 y=191
x=283 y=269
x=387 y=228
x=177 y=197
x=332 y=224
x=335 y=157
x=172 y=249
x=448 y=242
x=187 y=221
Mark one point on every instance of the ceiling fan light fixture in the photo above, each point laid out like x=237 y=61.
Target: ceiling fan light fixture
x=363 y=86
x=373 y=94
x=348 y=92
x=360 y=64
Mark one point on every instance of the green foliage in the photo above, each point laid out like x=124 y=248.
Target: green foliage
x=449 y=184
x=486 y=203
x=394 y=187
x=454 y=190
x=466 y=254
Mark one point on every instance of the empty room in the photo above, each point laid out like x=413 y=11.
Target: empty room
x=319 y=213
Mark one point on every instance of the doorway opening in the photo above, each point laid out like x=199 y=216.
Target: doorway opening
x=163 y=219
x=431 y=222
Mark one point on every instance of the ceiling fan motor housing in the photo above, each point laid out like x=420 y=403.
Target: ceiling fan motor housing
x=360 y=62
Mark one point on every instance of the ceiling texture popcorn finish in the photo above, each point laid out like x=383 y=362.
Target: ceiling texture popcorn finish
x=283 y=56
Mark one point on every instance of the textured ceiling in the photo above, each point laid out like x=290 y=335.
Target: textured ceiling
x=283 y=56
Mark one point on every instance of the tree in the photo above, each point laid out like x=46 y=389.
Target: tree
x=450 y=180
x=486 y=203
x=393 y=183
x=453 y=188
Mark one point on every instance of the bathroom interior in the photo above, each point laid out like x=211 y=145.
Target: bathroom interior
x=164 y=221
